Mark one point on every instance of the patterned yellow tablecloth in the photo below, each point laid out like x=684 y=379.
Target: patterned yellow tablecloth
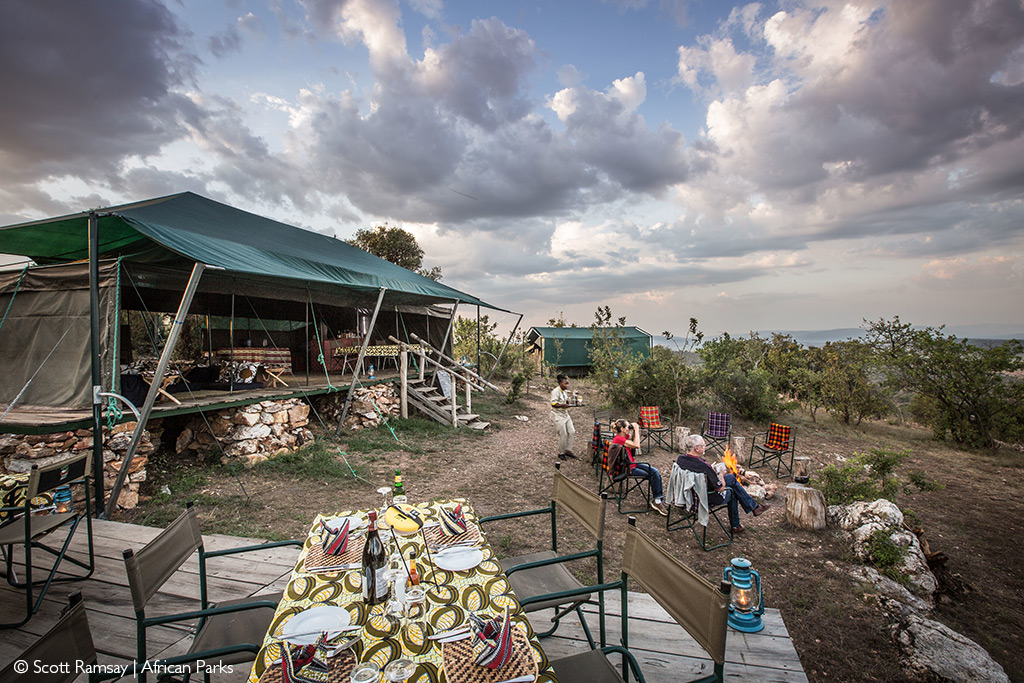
x=12 y=493
x=451 y=595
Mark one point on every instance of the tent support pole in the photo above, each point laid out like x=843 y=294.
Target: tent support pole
x=94 y=321
x=359 y=361
x=502 y=352
x=305 y=333
x=478 y=337
x=448 y=332
x=161 y=368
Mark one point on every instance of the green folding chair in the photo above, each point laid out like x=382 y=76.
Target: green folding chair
x=63 y=651
x=774 y=447
x=25 y=530
x=695 y=604
x=229 y=632
x=543 y=580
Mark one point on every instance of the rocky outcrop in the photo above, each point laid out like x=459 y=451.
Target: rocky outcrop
x=859 y=521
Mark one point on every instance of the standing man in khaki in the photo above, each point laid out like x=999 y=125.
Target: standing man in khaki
x=560 y=414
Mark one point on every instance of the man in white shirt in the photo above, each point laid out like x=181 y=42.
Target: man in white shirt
x=560 y=414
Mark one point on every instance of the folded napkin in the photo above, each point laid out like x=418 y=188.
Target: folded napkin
x=492 y=640
x=335 y=538
x=305 y=663
x=453 y=522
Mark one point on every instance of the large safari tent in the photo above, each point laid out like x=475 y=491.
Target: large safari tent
x=250 y=282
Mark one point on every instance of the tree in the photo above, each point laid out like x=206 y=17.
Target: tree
x=847 y=390
x=968 y=388
x=395 y=245
x=733 y=372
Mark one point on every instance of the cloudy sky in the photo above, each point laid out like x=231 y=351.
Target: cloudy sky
x=800 y=164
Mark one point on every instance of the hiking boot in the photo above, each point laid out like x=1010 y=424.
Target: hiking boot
x=658 y=507
x=738 y=529
x=760 y=509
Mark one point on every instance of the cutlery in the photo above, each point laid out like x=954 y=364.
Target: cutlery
x=347 y=629
x=451 y=633
x=457 y=544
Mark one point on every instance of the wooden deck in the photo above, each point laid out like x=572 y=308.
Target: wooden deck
x=46 y=419
x=666 y=653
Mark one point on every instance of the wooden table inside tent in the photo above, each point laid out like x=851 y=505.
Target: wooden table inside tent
x=275 y=360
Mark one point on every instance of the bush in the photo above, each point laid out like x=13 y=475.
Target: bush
x=515 y=388
x=865 y=476
x=886 y=554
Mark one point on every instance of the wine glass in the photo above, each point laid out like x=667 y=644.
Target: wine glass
x=400 y=670
x=384 y=491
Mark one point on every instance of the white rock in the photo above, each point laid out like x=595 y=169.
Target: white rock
x=933 y=648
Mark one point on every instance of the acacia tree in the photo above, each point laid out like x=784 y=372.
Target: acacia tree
x=972 y=396
x=395 y=245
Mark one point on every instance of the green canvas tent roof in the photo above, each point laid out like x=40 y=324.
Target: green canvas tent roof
x=570 y=346
x=200 y=229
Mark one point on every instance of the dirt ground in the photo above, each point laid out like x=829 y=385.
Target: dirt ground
x=838 y=629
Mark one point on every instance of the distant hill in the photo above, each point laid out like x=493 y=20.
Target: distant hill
x=982 y=334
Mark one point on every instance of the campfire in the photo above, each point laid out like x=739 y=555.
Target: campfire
x=731 y=463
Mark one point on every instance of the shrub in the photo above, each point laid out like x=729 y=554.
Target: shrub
x=515 y=388
x=865 y=476
x=886 y=554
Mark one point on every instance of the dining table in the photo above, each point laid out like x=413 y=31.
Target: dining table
x=462 y=580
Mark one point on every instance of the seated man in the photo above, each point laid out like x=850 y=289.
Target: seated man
x=641 y=469
x=725 y=489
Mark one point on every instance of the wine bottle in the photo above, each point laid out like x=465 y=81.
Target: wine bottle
x=375 y=565
x=414 y=575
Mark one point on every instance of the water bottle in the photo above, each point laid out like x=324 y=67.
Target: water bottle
x=371 y=371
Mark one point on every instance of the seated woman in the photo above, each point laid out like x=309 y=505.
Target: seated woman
x=725 y=489
x=623 y=431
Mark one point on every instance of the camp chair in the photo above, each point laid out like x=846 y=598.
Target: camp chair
x=690 y=599
x=683 y=498
x=655 y=429
x=26 y=530
x=64 y=649
x=716 y=431
x=602 y=434
x=542 y=580
x=230 y=632
x=621 y=481
x=778 y=442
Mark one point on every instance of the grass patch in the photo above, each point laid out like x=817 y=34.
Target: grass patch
x=318 y=461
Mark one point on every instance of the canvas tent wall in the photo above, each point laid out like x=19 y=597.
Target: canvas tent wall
x=260 y=267
x=569 y=347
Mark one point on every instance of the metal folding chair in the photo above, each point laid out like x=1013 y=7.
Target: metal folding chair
x=543 y=580
x=621 y=481
x=25 y=530
x=716 y=431
x=655 y=429
x=229 y=632
x=683 y=501
x=63 y=651
x=695 y=604
x=778 y=442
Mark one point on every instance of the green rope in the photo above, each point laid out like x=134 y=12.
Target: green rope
x=320 y=358
x=17 y=286
x=385 y=421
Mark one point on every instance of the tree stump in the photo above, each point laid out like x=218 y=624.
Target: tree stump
x=801 y=467
x=681 y=433
x=805 y=507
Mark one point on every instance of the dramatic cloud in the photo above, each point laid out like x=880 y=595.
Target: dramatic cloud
x=87 y=86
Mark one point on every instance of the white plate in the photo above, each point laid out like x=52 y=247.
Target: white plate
x=353 y=522
x=310 y=623
x=458 y=559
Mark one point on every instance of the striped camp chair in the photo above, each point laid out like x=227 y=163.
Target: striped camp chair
x=778 y=442
x=654 y=429
x=716 y=431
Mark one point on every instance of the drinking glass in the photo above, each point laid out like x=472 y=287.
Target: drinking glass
x=400 y=670
x=365 y=672
x=416 y=611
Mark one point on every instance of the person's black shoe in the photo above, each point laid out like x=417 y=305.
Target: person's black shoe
x=570 y=454
x=561 y=456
